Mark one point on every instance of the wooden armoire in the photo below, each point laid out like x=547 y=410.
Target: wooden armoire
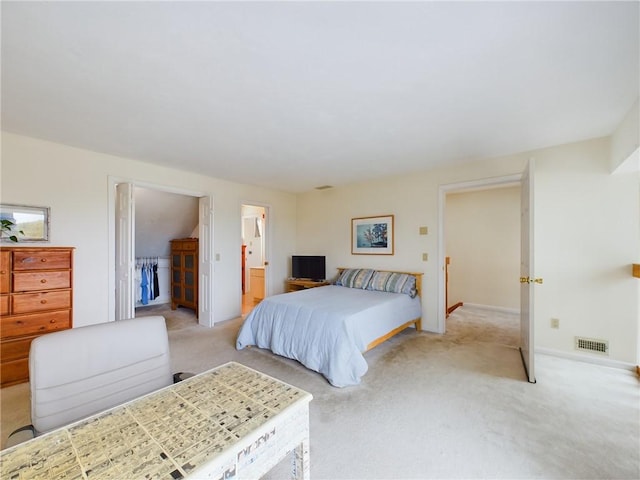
x=184 y=273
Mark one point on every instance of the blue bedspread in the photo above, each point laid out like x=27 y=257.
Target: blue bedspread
x=327 y=329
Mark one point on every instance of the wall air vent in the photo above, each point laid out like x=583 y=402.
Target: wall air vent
x=592 y=345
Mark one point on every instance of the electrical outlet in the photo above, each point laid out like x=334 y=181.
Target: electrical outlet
x=425 y=257
x=555 y=323
x=424 y=231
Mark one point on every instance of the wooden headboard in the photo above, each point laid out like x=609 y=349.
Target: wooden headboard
x=415 y=274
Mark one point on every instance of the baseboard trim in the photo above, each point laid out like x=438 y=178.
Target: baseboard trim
x=493 y=307
x=605 y=362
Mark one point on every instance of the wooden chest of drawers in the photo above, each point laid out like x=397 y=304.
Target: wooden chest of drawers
x=36 y=297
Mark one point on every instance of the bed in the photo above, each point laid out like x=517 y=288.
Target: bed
x=329 y=328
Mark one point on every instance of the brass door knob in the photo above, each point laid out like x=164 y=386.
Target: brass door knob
x=530 y=280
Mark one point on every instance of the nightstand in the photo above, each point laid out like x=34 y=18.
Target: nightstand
x=293 y=285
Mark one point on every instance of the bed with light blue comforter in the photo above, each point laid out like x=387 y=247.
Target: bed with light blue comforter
x=328 y=328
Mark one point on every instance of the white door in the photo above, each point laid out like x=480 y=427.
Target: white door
x=527 y=279
x=205 y=266
x=264 y=245
x=125 y=262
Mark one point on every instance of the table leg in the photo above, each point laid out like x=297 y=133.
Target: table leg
x=300 y=462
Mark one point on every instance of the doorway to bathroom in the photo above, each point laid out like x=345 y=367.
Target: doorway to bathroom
x=253 y=255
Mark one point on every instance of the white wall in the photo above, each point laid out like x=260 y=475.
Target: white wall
x=161 y=217
x=75 y=182
x=625 y=142
x=587 y=233
x=482 y=237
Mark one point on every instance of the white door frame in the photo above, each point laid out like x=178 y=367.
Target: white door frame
x=266 y=245
x=205 y=313
x=443 y=190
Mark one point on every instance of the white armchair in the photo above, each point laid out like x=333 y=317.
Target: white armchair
x=79 y=372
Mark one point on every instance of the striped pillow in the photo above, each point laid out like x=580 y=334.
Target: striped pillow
x=393 y=282
x=355 y=278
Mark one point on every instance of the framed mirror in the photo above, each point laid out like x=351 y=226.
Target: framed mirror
x=24 y=223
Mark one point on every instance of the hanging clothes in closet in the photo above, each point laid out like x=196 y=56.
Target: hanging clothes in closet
x=149 y=285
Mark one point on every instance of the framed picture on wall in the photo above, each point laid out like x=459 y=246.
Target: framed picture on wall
x=372 y=235
x=22 y=223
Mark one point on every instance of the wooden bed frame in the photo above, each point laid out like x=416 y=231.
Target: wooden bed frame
x=417 y=322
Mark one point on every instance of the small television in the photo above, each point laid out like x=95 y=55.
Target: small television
x=312 y=267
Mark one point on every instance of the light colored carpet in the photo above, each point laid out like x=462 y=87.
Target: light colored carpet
x=432 y=406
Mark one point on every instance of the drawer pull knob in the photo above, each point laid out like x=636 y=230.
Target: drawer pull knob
x=43 y=259
x=19 y=322
x=43 y=301
x=3 y=272
x=52 y=321
x=42 y=328
x=44 y=280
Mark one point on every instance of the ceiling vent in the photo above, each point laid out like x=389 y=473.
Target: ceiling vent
x=592 y=345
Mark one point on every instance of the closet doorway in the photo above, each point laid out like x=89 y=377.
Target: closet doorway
x=253 y=260
x=164 y=213
x=159 y=218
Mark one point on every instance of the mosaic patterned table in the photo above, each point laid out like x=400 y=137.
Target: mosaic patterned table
x=228 y=423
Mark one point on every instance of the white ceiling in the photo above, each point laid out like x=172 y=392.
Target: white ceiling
x=293 y=95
